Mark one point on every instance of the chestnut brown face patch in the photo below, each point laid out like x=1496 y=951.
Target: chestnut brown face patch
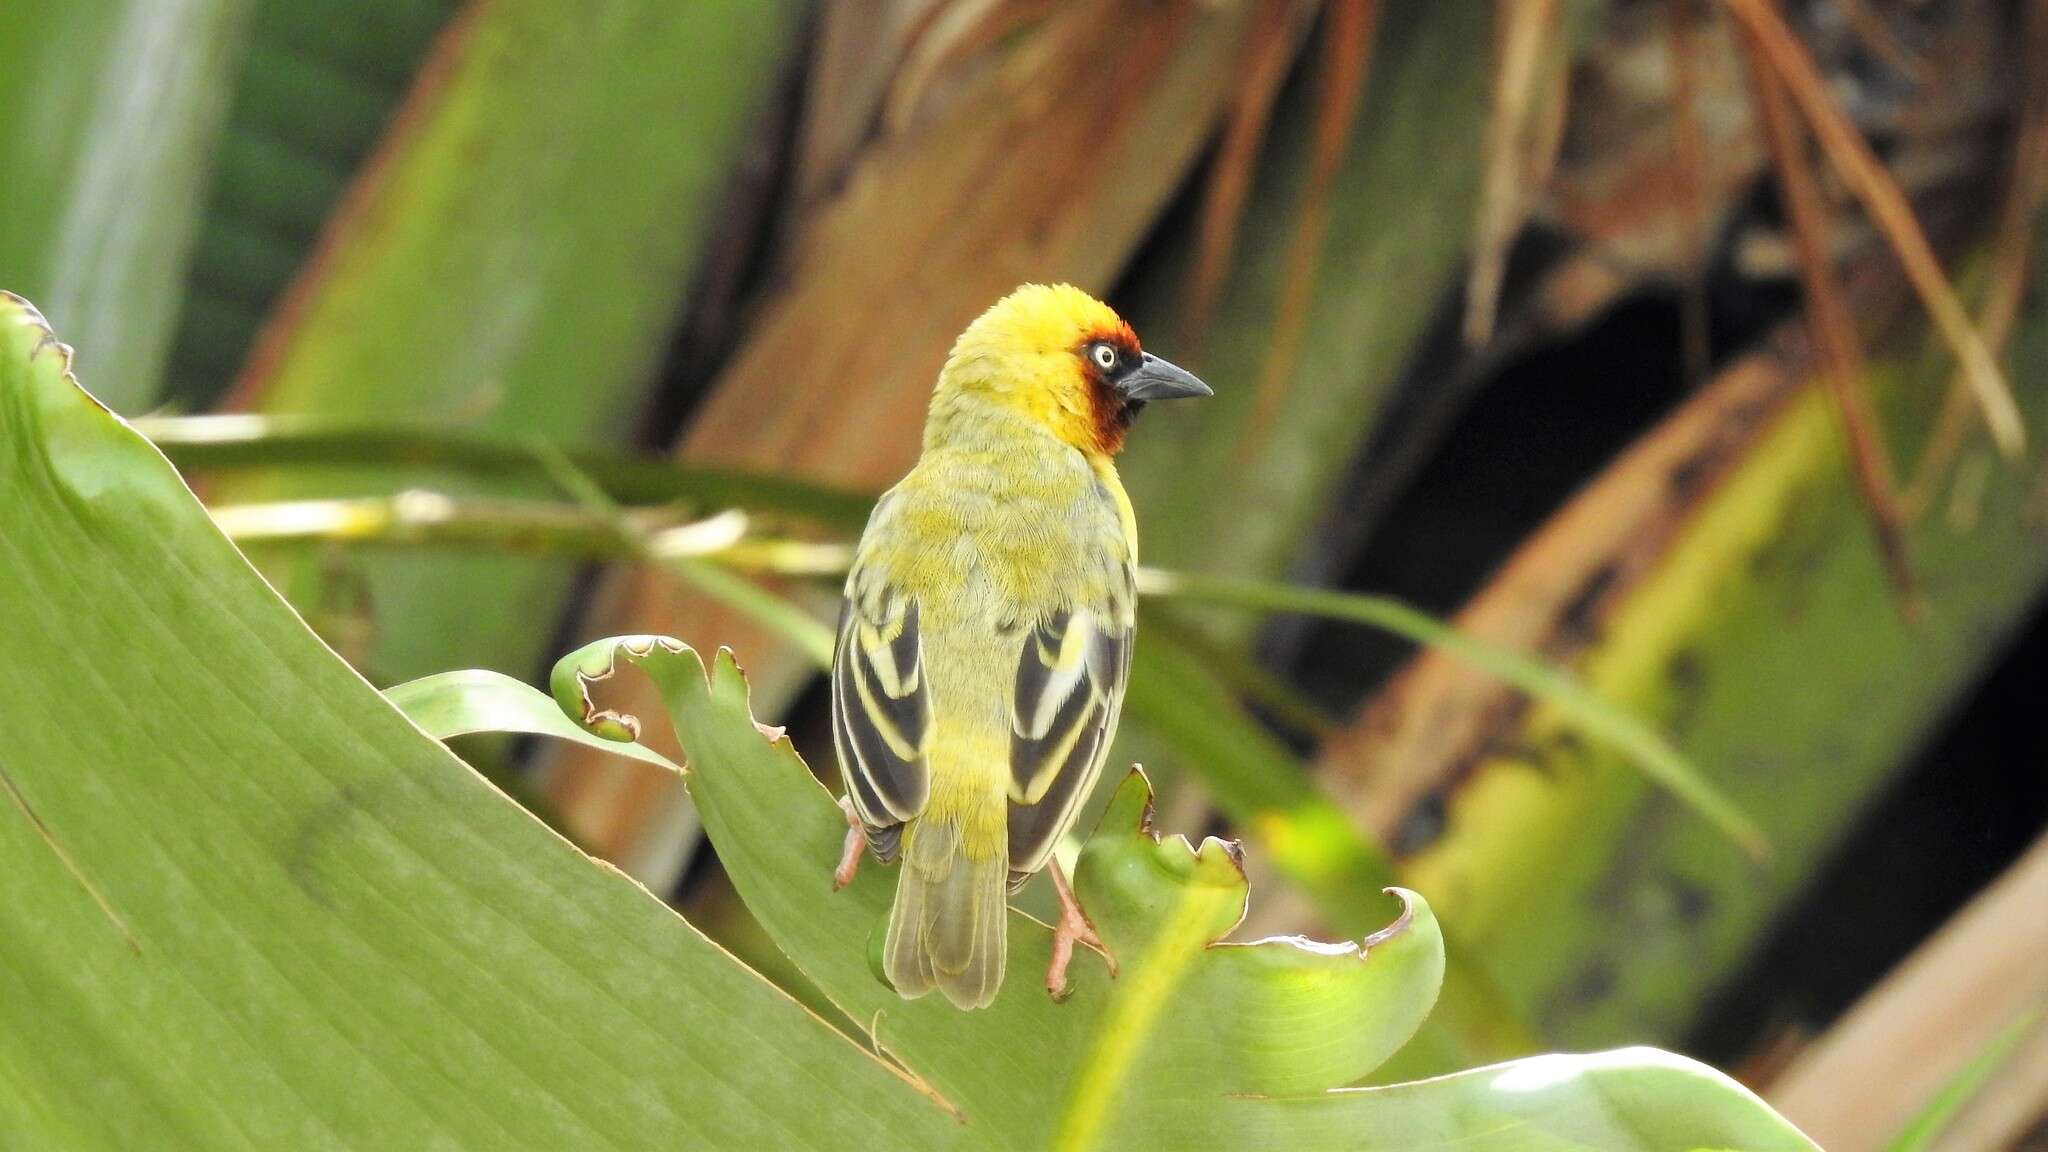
x=1112 y=412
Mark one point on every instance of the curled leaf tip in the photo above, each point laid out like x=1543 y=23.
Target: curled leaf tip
x=606 y=722
x=574 y=674
x=1401 y=923
x=46 y=339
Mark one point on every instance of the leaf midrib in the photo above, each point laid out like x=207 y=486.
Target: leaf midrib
x=1127 y=1022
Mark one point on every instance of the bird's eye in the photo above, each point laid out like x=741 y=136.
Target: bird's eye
x=1105 y=357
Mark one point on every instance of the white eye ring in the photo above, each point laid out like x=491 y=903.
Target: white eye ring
x=1105 y=357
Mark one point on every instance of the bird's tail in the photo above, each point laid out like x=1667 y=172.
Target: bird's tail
x=948 y=927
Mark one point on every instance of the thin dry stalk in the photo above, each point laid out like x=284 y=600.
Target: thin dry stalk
x=1828 y=316
x=1866 y=177
x=1524 y=31
x=1877 y=36
x=2006 y=286
x=2005 y=292
x=1270 y=44
x=1347 y=49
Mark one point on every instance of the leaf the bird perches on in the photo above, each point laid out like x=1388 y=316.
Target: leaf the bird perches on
x=1195 y=1040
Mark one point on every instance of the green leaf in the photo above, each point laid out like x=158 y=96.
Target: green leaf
x=316 y=85
x=1303 y=1017
x=1193 y=1042
x=522 y=249
x=109 y=111
x=1764 y=637
x=1177 y=697
x=1628 y=1099
x=1258 y=686
x=344 y=937
x=451 y=704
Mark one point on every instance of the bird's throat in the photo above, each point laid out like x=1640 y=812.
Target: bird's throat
x=1114 y=414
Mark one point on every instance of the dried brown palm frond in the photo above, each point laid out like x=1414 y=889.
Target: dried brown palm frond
x=1346 y=53
x=1834 y=330
x=1523 y=131
x=1867 y=179
x=1271 y=45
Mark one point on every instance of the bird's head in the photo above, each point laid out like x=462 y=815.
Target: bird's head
x=1062 y=359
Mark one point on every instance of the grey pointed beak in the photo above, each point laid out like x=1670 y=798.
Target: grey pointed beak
x=1157 y=379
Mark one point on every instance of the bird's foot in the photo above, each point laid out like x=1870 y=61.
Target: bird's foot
x=1073 y=928
x=856 y=843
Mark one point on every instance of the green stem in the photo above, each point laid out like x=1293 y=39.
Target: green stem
x=1279 y=700
x=243 y=442
x=1598 y=718
x=735 y=591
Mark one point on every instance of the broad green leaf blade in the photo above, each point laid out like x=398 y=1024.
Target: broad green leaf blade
x=1193 y=1043
x=520 y=251
x=344 y=937
x=450 y=704
x=1300 y=1016
x=316 y=86
x=1262 y=787
x=109 y=112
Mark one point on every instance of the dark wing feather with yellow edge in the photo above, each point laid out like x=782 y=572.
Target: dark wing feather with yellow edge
x=1069 y=693
x=881 y=716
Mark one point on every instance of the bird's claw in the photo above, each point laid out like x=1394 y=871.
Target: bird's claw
x=856 y=843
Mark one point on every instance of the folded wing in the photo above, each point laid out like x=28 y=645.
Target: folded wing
x=1069 y=691
x=882 y=716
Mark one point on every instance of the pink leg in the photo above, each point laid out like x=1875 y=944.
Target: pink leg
x=1073 y=927
x=856 y=843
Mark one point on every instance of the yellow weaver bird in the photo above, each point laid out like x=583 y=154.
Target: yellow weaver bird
x=986 y=633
